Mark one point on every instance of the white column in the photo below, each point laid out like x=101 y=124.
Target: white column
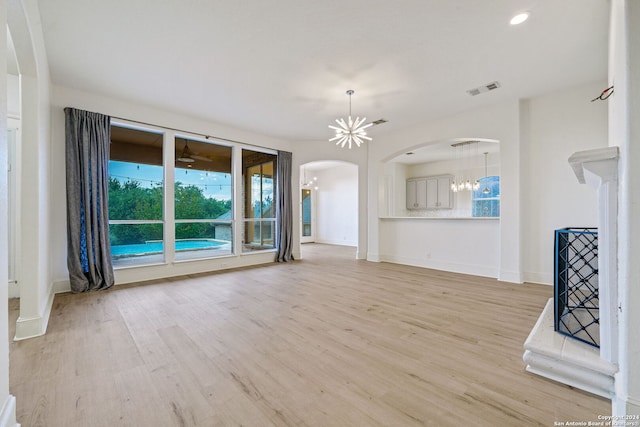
x=599 y=169
x=624 y=131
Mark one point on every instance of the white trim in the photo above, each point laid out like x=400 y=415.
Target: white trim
x=510 y=276
x=34 y=326
x=373 y=257
x=539 y=278
x=61 y=286
x=338 y=242
x=476 y=270
x=8 y=413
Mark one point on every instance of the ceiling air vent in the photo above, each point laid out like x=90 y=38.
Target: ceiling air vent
x=483 y=89
x=379 y=121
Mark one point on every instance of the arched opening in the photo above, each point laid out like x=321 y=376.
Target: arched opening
x=32 y=171
x=329 y=204
x=440 y=179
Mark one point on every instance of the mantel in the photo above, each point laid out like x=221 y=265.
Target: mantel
x=600 y=161
x=560 y=358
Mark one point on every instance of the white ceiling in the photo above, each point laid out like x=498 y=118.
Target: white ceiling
x=281 y=68
x=444 y=150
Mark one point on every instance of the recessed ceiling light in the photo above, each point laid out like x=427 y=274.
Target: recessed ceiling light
x=519 y=18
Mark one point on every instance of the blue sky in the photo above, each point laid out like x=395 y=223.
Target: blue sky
x=214 y=184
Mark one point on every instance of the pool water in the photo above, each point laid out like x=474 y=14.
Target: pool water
x=157 y=247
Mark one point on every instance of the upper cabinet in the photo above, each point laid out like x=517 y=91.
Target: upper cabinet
x=439 y=192
x=417 y=193
x=431 y=192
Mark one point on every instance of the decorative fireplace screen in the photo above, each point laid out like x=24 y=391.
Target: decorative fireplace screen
x=576 y=284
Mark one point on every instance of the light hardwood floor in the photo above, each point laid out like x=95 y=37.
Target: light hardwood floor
x=325 y=341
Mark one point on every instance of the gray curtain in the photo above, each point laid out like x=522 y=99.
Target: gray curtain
x=88 y=136
x=284 y=209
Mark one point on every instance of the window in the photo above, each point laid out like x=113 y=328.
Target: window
x=203 y=200
x=136 y=195
x=259 y=210
x=486 y=199
x=306 y=212
x=193 y=217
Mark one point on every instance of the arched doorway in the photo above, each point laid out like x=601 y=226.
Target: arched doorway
x=329 y=203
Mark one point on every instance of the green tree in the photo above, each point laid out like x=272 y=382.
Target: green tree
x=131 y=201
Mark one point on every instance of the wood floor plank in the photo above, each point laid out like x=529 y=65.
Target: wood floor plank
x=323 y=341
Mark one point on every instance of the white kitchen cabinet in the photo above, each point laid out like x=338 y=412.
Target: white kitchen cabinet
x=431 y=192
x=417 y=193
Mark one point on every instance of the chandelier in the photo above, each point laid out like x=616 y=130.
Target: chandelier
x=309 y=183
x=486 y=174
x=350 y=131
x=463 y=180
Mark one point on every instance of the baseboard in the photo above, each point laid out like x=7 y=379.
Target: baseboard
x=61 y=286
x=8 y=413
x=539 y=278
x=336 y=242
x=475 y=270
x=510 y=276
x=373 y=257
x=31 y=327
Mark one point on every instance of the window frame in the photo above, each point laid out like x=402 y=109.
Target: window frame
x=230 y=222
x=169 y=221
x=244 y=249
x=162 y=259
x=490 y=180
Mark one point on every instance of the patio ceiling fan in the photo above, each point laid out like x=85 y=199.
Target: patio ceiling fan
x=188 y=156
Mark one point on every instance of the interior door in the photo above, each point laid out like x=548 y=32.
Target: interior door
x=307 y=216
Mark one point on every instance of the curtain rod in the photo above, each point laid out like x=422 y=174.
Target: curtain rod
x=191 y=132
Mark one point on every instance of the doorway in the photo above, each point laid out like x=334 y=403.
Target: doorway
x=308 y=213
x=329 y=203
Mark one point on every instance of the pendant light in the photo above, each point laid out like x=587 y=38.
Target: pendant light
x=350 y=131
x=486 y=188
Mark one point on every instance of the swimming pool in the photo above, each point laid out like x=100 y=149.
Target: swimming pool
x=156 y=247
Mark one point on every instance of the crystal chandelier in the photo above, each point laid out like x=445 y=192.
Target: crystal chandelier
x=350 y=131
x=463 y=158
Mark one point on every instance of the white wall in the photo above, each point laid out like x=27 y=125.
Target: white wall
x=467 y=246
x=560 y=124
x=311 y=151
x=13 y=96
x=624 y=68
x=496 y=123
x=337 y=205
x=66 y=97
x=538 y=190
x=36 y=296
x=7 y=402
